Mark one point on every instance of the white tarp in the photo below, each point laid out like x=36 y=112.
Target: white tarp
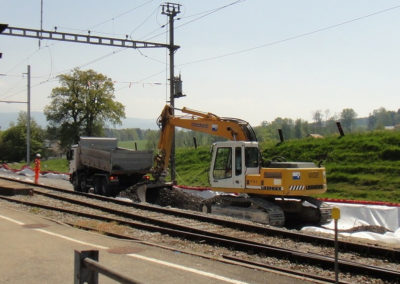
x=375 y=215
x=360 y=215
x=352 y=216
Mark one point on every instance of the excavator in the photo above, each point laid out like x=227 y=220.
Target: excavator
x=276 y=194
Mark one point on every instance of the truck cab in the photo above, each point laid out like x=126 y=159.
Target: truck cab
x=72 y=158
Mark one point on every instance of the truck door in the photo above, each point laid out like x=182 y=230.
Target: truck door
x=228 y=168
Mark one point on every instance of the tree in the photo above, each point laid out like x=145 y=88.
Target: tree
x=82 y=105
x=347 y=118
x=300 y=128
x=317 y=117
x=330 y=125
x=13 y=140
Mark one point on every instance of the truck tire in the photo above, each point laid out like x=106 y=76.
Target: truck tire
x=97 y=186
x=100 y=186
x=82 y=183
x=76 y=182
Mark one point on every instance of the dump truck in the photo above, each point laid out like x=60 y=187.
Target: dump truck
x=98 y=163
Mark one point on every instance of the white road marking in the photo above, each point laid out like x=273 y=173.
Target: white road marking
x=12 y=220
x=71 y=239
x=149 y=259
x=193 y=270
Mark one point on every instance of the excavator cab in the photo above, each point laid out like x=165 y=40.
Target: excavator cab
x=231 y=162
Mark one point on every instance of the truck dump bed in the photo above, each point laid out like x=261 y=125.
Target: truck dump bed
x=103 y=154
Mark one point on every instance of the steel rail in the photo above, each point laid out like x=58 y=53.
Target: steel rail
x=225 y=258
x=391 y=253
x=239 y=244
x=285 y=270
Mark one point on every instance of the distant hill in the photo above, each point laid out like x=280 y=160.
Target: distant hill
x=142 y=123
x=7 y=117
x=130 y=122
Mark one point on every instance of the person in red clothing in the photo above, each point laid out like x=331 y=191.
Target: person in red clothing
x=37 y=168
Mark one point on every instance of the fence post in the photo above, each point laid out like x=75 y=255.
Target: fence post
x=81 y=273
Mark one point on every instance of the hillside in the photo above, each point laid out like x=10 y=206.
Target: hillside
x=359 y=166
x=130 y=122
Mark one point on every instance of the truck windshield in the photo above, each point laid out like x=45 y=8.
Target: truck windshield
x=251 y=157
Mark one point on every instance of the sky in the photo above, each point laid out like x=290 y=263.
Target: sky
x=250 y=59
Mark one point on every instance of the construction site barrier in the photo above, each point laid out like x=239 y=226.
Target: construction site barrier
x=87 y=269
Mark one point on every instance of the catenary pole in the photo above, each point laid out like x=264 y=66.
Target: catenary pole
x=28 y=119
x=171 y=10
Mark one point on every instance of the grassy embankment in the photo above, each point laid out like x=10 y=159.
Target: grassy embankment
x=359 y=166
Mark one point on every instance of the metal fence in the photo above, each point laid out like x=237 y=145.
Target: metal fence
x=87 y=269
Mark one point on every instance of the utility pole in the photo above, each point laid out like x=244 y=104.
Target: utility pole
x=41 y=18
x=171 y=10
x=28 y=128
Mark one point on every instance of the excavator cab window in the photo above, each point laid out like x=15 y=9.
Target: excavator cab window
x=223 y=163
x=251 y=157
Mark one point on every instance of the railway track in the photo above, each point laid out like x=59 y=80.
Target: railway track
x=207 y=229
x=268 y=231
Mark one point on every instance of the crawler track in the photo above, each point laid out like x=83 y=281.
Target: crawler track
x=196 y=227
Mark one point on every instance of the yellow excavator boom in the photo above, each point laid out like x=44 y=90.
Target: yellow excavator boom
x=229 y=128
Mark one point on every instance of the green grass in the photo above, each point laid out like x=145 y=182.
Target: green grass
x=192 y=166
x=56 y=165
x=359 y=166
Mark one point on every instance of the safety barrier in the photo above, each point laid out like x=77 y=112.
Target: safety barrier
x=87 y=269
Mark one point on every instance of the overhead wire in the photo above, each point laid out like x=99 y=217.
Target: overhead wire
x=113 y=18
x=16 y=85
x=149 y=57
x=143 y=22
x=291 y=37
x=209 y=12
x=203 y=14
x=122 y=14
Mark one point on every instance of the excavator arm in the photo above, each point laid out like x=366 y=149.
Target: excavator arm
x=229 y=128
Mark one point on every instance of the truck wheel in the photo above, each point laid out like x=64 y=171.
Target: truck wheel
x=76 y=183
x=101 y=186
x=98 y=188
x=83 y=184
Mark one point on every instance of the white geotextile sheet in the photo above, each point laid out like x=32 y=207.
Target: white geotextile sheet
x=353 y=215
x=392 y=238
x=356 y=215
